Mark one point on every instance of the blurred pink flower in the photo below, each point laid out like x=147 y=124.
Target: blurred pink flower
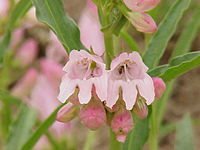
x=83 y=71
x=55 y=51
x=93 y=115
x=91 y=36
x=121 y=124
x=142 y=21
x=27 y=53
x=159 y=86
x=25 y=85
x=141 y=5
x=128 y=72
x=44 y=94
x=4 y=5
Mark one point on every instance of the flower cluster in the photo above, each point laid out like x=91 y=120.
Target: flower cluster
x=95 y=93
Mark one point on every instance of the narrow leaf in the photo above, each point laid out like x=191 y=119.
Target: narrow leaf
x=181 y=64
x=51 y=12
x=167 y=27
x=41 y=130
x=184 y=134
x=158 y=70
x=21 y=128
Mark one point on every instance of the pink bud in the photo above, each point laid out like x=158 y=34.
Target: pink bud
x=121 y=124
x=25 y=84
x=93 y=115
x=27 y=53
x=141 y=5
x=140 y=109
x=67 y=113
x=159 y=86
x=142 y=22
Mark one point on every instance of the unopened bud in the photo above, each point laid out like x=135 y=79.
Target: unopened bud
x=159 y=86
x=140 y=109
x=121 y=124
x=67 y=113
x=93 y=115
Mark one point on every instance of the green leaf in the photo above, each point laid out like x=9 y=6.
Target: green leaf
x=181 y=64
x=41 y=130
x=158 y=70
x=184 y=134
x=167 y=27
x=21 y=128
x=5 y=96
x=19 y=11
x=187 y=37
x=51 y=12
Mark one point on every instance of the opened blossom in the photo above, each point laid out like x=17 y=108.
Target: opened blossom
x=128 y=76
x=142 y=21
x=83 y=72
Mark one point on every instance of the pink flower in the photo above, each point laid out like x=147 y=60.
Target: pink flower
x=25 y=85
x=4 y=5
x=159 y=86
x=91 y=36
x=142 y=22
x=128 y=73
x=27 y=53
x=121 y=124
x=83 y=71
x=67 y=113
x=93 y=115
x=141 y=5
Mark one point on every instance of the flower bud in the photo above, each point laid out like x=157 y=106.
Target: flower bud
x=67 y=113
x=142 y=22
x=93 y=115
x=121 y=124
x=141 y=5
x=27 y=53
x=159 y=87
x=140 y=109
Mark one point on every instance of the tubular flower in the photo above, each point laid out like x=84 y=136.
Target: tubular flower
x=142 y=21
x=83 y=72
x=128 y=73
x=121 y=124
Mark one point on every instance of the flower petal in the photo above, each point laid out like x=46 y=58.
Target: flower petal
x=100 y=84
x=142 y=22
x=113 y=92
x=146 y=89
x=67 y=88
x=85 y=90
x=118 y=60
x=129 y=94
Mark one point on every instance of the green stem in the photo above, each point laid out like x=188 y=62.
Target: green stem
x=108 y=40
x=153 y=135
x=114 y=144
x=90 y=140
